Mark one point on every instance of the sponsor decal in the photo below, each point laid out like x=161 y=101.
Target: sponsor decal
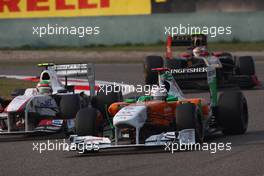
x=71 y=8
x=167 y=109
x=188 y=70
x=57 y=122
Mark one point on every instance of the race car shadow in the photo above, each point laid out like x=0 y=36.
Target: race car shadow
x=121 y=152
x=17 y=138
x=249 y=138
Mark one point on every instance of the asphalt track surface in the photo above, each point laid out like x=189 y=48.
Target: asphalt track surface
x=245 y=158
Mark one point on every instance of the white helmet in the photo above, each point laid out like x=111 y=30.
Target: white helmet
x=199 y=51
x=159 y=93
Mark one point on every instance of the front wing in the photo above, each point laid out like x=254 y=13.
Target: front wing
x=83 y=144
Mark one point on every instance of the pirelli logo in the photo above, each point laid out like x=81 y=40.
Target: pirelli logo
x=75 y=8
x=71 y=8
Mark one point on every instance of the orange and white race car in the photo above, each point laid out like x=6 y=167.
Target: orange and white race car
x=165 y=116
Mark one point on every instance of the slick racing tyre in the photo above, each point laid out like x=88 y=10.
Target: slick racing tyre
x=227 y=62
x=86 y=124
x=188 y=117
x=69 y=106
x=105 y=97
x=246 y=65
x=150 y=63
x=232 y=112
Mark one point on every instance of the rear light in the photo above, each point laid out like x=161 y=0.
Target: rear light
x=45 y=123
x=255 y=80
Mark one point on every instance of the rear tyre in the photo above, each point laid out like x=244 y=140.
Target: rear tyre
x=188 y=117
x=86 y=122
x=232 y=113
x=105 y=97
x=69 y=106
x=227 y=62
x=246 y=65
x=150 y=63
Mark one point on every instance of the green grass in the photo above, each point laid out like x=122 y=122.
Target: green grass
x=127 y=49
x=240 y=46
x=8 y=85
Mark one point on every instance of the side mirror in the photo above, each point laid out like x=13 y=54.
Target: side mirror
x=69 y=88
x=62 y=91
x=170 y=99
x=18 y=92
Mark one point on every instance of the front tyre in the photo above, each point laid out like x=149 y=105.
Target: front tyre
x=106 y=96
x=232 y=113
x=69 y=106
x=88 y=122
x=188 y=117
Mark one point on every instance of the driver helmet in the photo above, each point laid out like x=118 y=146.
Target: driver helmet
x=43 y=87
x=159 y=94
x=200 y=51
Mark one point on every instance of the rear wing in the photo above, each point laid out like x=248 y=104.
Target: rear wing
x=188 y=40
x=70 y=70
x=192 y=41
x=74 y=70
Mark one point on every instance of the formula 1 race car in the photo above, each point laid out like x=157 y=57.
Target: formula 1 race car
x=231 y=71
x=51 y=107
x=165 y=116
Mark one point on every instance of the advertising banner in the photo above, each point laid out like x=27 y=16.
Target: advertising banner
x=72 y=8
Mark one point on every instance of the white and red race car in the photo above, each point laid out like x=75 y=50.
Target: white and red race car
x=32 y=112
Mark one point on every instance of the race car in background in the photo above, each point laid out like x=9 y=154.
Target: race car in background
x=51 y=107
x=231 y=70
x=165 y=116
